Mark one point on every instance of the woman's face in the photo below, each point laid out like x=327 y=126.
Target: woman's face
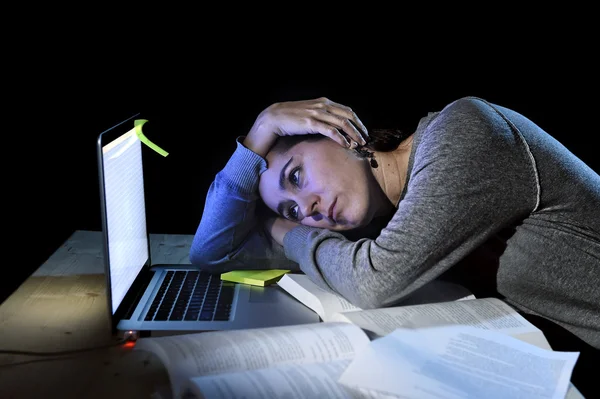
x=320 y=184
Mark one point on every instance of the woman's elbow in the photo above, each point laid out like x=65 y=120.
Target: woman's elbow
x=365 y=300
x=203 y=261
x=375 y=298
x=204 y=254
x=196 y=259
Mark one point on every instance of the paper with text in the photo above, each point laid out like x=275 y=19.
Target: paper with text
x=485 y=313
x=457 y=361
x=322 y=302
x=438 y=291
x=306 y=381
x=326 y=303
x=212 y=352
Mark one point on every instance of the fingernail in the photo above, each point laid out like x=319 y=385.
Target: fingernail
x=353 y=144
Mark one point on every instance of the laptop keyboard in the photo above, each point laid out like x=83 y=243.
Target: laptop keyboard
x=192 y=296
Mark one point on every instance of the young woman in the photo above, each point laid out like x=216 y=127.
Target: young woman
x=478 y=190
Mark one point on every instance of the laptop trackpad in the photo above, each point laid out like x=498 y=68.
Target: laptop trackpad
x=265 y=294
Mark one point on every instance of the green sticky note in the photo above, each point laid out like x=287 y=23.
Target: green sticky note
x=138 y=123
x=254 y=277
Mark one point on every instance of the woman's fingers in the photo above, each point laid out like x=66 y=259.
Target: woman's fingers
x=317 y=126
x=347 y=112
x=344 y=124
x=342 y=117
x=318 y=116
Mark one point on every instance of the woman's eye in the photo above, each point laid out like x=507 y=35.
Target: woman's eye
x=293 y=212
x=295 y=177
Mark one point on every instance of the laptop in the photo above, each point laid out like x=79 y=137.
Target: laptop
x=146 y=299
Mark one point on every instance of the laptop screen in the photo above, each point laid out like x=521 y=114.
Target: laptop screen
x=123 y=181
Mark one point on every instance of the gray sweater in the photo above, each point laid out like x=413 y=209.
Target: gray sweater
x=482 y=179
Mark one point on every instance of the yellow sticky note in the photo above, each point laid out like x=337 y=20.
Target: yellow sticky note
x=138 y=123
x=254 y=277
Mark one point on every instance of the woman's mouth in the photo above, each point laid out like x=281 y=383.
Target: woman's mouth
x=330 y=213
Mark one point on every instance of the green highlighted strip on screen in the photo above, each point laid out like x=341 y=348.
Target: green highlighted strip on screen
x=138 y=123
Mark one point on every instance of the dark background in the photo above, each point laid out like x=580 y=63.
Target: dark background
x=197 y=105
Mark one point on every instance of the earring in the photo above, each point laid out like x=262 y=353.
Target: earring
x=364 y=153
x=373 y=162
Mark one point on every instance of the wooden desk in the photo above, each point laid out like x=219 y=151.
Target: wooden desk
x=63 y=306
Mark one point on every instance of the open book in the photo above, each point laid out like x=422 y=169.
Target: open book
x=308 y=361
x=326 y=304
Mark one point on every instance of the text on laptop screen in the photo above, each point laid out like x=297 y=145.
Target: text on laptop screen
x=125 y=212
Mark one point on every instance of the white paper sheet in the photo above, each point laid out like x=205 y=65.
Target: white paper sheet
x=213 y=352
x=484 y=313
x=304 y=381
x=460 y=362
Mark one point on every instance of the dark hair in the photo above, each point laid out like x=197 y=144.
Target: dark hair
x=385 y=140
x=380 y=139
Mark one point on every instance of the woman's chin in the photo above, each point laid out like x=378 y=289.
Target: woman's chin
x=350 y=225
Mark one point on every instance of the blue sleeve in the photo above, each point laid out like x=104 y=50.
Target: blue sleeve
x=230 y=235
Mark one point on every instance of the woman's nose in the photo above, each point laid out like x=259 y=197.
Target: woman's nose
x=309 y=205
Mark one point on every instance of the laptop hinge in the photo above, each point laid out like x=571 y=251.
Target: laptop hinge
x=134 y=296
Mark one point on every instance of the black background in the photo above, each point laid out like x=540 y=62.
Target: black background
x=198 y=97
x=201 y=75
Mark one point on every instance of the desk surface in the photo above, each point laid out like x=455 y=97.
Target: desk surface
x=63 y=306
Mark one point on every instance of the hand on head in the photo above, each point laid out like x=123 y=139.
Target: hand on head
x=319 y=116
x=311 y=180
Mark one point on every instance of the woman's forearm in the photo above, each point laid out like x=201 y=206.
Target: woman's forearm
x=230 y=235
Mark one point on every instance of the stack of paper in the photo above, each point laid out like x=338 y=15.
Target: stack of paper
x=458 y=362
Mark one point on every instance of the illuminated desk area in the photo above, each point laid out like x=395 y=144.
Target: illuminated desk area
x=62 y=306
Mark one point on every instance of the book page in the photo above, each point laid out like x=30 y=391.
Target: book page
x=438 y=291
x=326 y=304
x=305 y=381
x=485 y=313
x=213 y=352
x=322 y=302
x=457 y=362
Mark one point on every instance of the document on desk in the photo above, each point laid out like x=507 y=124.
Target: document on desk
x=212 y=360
x=459 y=361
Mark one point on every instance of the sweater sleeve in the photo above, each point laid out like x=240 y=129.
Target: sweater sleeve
x=230 y=235
x=472 y=175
